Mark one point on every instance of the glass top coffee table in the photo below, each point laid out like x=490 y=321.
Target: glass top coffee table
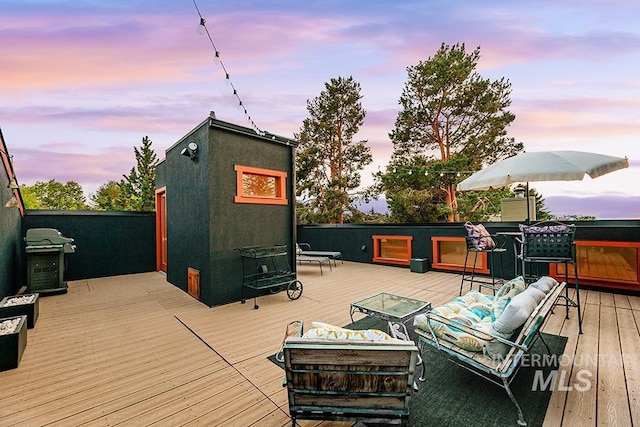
x=390 y=307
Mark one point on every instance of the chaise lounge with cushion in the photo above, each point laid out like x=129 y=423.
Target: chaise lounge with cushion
x=489 y=335
x=314 y=259
x=304 y=249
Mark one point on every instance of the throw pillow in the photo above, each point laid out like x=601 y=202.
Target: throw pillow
x=514 y=316
x=557 y=228
x=506 y=292
x=479 y=236
x=518 y=311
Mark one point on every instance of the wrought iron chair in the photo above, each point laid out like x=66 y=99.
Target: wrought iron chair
x=552 y=242
x=478 y=240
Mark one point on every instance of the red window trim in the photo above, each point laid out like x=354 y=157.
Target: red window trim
x=377 y=240
x=281 y=179
x=481 y=266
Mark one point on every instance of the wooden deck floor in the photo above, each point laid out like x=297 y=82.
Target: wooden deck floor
x=135 y=350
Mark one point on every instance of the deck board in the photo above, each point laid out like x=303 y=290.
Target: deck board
x=613 y=407
x=135 y=350
x=580 y=406
x=628 y=323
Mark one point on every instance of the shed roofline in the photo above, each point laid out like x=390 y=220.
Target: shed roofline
x=211 y=121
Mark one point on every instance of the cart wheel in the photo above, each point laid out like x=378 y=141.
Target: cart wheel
x=294 y=290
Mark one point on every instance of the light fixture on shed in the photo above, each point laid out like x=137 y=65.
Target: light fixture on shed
x=190 y=151
x=13 y=184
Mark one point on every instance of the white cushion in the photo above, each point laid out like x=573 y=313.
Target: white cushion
x=514 y=315
x=321 y=330
x=518 y=311
x=544 y=284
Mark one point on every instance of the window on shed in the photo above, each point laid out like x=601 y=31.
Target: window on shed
x=255 y=185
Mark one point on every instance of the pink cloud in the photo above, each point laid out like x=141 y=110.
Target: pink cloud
x=63 y=164
x=107 y=73
x=590 y=119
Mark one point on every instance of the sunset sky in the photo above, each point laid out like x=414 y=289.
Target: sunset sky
x=83 y=81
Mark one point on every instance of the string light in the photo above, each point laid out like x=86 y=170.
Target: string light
x=202 y=29
x=410 y=171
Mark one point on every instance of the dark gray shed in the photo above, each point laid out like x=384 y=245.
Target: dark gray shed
x=220 y=187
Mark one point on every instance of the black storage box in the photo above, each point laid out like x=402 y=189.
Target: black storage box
x=419 y=265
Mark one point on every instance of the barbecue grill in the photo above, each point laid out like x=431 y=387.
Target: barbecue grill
x=45 y=249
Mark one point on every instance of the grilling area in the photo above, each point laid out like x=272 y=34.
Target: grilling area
x=46 y=248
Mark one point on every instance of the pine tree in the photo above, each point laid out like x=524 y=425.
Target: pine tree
x=451 y=119
x=137 y=190
x=328 y=161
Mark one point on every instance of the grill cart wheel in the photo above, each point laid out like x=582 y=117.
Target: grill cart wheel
x=294 y=290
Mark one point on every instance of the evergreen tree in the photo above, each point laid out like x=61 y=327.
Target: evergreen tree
x=137 y=190
x=451 y=119
x=328 y=161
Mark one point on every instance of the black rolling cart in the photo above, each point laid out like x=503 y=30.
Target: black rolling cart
x=267 y=267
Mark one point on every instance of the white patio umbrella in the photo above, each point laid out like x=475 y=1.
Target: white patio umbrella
x=542 y=166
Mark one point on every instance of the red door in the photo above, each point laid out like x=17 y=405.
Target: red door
x=161 y=230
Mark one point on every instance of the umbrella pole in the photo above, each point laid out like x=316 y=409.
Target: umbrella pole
x=528 y=215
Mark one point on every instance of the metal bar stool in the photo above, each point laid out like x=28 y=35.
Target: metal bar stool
x=552 y=242
x=478 y=241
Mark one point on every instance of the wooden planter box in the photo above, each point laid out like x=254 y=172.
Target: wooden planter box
x=12 y=345
x=30 y=310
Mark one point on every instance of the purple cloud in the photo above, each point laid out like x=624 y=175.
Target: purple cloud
x=601 y=207
x=100 y=75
